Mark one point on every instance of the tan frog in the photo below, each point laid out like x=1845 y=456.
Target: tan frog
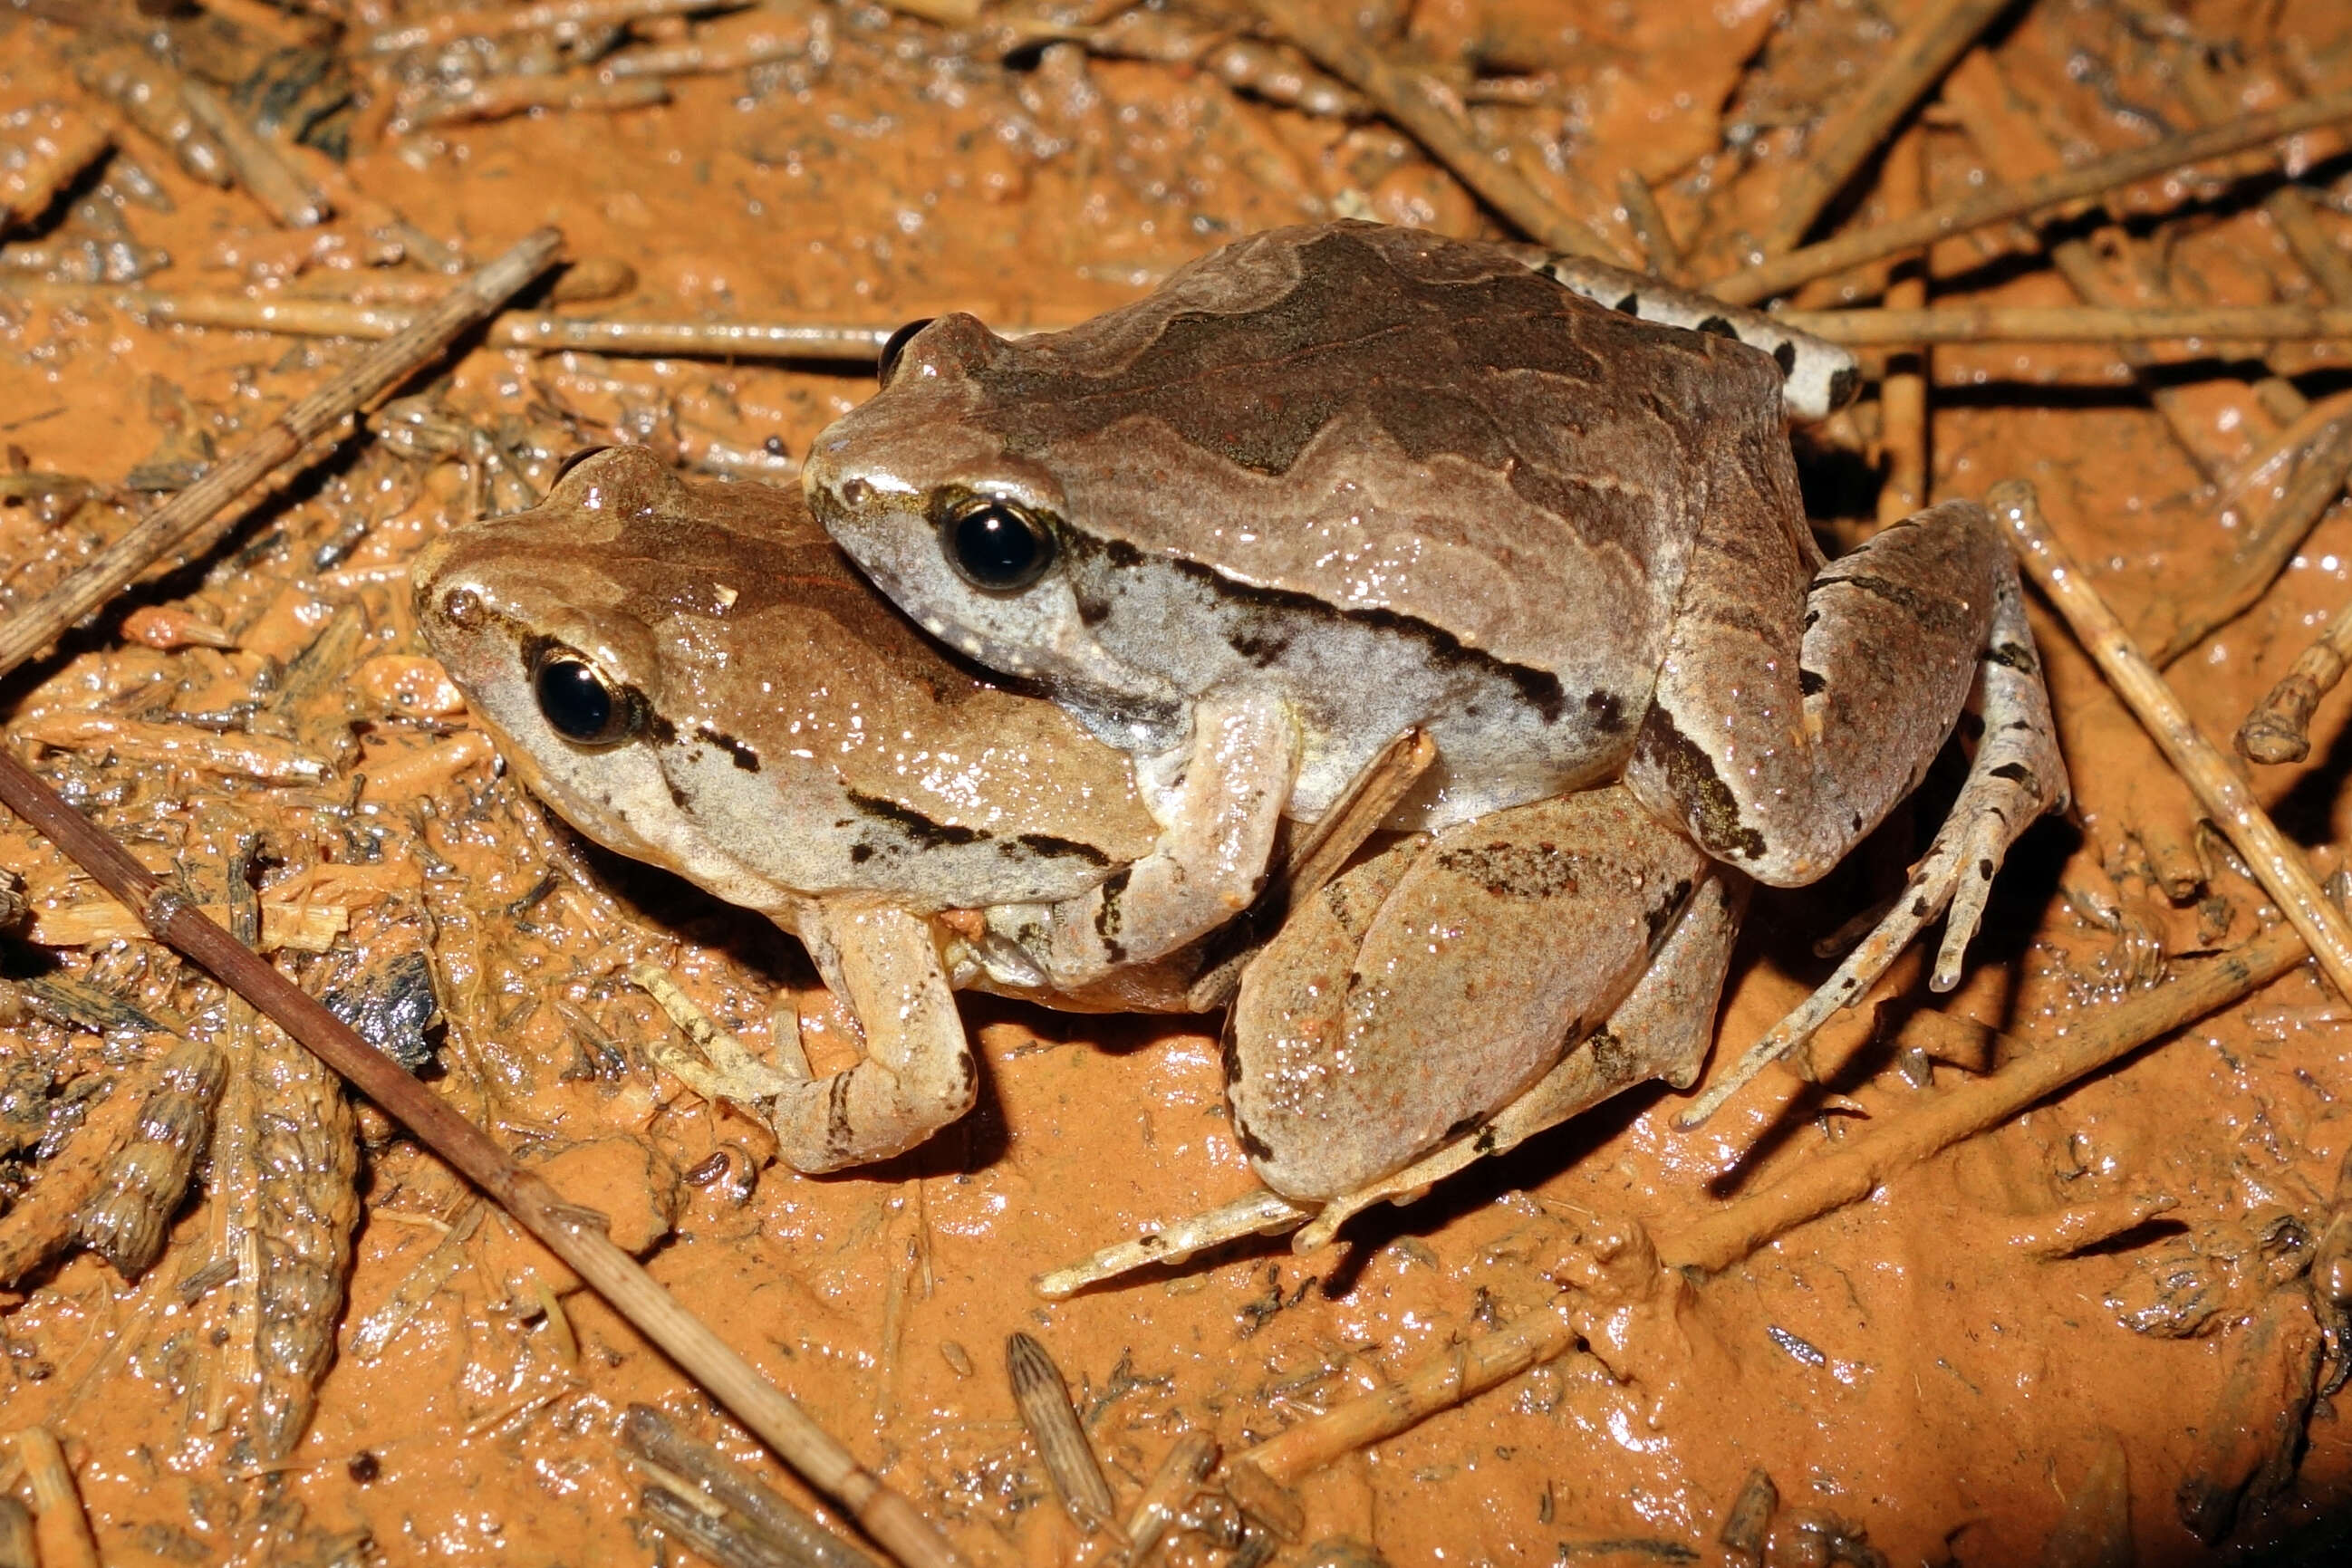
x=693 y=677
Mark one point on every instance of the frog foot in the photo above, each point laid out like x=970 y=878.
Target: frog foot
x=720 y=1067
x=2016 y=775
x=1578 y=1083
x=1598 y=1069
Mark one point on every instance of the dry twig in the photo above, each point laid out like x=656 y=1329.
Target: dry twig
x=2275 y=862
x=1934 y=39
x=1648 y=222
x=504 y=21
x=506 y=96
x=2279 y=727
x=1903 y=422
x=177 y=520
x=1753 y=284
x=1453 y=1376
x=2069 y=324
x=62 y=1531
x=1411 y=100
x=60 y=147
x=573 y=1234
x=2266 y=547
x=290 y=196
x=341 y=319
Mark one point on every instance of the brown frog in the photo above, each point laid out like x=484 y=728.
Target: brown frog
x=1331 y=483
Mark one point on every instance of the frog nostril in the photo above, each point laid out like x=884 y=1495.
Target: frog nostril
x=852 y=494
x=462 y=608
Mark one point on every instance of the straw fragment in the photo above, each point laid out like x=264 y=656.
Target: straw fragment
x=1422 y=108
x=1778 y=275
x=1936 y=38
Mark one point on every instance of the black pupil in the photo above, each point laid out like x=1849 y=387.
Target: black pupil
x=573 y=700
x=996 y=547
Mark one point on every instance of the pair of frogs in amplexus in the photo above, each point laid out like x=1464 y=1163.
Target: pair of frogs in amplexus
x=1343 y=528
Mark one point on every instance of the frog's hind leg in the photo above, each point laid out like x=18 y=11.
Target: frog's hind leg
x=2016 y=774
x=1817 y=376
x=1661 y=1030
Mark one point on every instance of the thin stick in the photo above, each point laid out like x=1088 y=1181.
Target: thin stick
x=2276 y=863
x=1903 y=422
x=2268 y=545
x=63 y=1528
x=179 y=519
x=62 y=146
x=2068 y=324
x=2279 y=727
x=1453 y=1376
x=290 y=196
x=2038 y=1069
x=573 y=1234
x=506 y=96
x=494 y=22
x=1751 y=285
x=1410 y=100
x=1651 y=230
x=1935 y=38
x=514 y=329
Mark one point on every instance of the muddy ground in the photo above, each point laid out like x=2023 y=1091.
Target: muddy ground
x=1918 y=1387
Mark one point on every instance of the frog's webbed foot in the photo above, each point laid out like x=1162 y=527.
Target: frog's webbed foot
x=917 y=1073
x=1260 y=1213
x=720 y=1067
x=2015 y=776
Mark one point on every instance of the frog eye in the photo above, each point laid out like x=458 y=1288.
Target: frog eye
x=577 y=458
x=579 y=701
x=887 y=363
x=996 y=545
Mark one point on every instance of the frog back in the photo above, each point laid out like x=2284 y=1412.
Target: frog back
x=1393 y=424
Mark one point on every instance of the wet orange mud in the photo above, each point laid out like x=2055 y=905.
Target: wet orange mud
x=1918 y=1384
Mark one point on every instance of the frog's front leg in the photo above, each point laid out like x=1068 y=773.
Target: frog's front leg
x=1794 y=708
x=1220 y=820
x=917 y=1073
